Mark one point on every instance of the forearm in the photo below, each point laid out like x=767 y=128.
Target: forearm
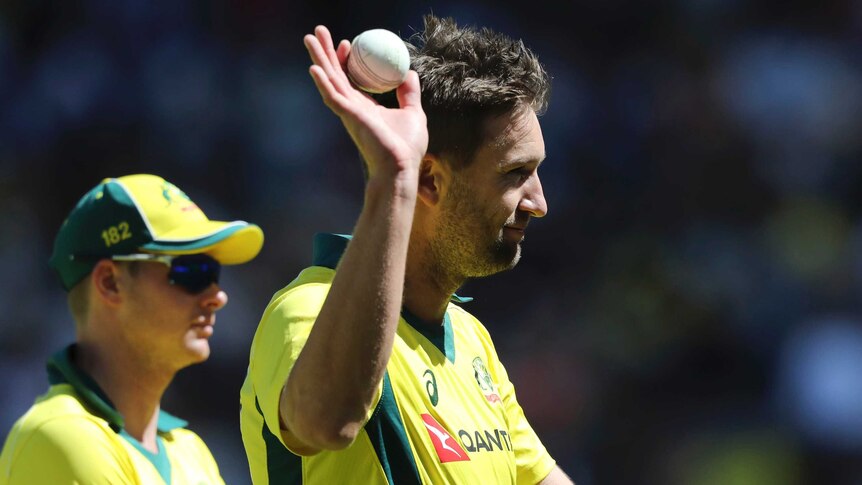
x=331 y=387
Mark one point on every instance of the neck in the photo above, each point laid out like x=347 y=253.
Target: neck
x=427 y=286
x=133 y=388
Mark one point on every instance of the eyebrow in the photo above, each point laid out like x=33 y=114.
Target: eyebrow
x=522 y=161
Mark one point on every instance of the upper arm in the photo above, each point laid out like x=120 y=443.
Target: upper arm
x=69 y=451
x=557 y=477
x=281 y=336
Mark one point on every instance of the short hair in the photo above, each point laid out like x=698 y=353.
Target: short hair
x=78 y=296
x=78 y=299
x=469 y=76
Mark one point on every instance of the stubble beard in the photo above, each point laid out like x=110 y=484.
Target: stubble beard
x=466 y=245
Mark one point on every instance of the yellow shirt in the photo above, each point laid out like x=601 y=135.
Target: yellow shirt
x=73 y=435
x=446 y=410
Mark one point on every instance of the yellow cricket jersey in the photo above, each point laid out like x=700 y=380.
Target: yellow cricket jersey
x=446 y=411
x=73 y=435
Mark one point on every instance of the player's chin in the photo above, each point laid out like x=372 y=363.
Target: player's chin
x=516 y=257
x=505 y=256
x=198 y=349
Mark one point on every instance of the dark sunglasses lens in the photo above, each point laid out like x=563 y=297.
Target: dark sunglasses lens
x=195 y=272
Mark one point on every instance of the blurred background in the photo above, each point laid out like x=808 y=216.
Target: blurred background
x=687 y=313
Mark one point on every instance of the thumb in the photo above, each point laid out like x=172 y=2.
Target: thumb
x=409 y=92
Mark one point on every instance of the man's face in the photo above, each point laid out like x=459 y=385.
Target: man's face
x=169 y=326
x=486 y=207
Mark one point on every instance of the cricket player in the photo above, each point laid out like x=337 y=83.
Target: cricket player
x=365 y=369
x=140 y=262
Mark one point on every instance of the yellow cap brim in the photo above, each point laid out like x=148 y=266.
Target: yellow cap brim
x=228 y=242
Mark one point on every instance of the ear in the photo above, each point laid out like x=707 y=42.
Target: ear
x=104 y=280
x=433 y=176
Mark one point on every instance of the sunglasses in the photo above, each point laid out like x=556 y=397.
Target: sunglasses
x=192 y=272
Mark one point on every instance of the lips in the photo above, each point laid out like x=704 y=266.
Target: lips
x=519 y=224
x=516 y=227
x=204 y=321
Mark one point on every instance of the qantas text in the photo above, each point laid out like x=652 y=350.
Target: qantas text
x=485 y=440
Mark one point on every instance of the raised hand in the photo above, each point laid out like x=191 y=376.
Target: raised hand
x=392 y=141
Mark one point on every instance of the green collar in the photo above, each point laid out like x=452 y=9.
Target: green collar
x=439 y=335
x=62 y=370
x=328 y=249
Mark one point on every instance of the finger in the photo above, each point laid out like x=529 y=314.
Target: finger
x=315 y=51
x=325 y=37
x=343 y=51
x=409 y=92
x=331 y=97
x=334 y=67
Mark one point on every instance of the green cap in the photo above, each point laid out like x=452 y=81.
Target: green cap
x=144 y=213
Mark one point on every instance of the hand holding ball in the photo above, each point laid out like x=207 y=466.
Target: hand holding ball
x=378 y=61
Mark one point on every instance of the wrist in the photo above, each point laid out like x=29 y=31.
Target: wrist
x=400 y=184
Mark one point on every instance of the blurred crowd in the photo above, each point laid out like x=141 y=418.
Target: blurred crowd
x=688 y=311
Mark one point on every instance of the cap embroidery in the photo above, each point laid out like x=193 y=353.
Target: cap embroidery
x=169 y=191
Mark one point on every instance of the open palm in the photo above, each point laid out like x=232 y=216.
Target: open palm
x=389 y=139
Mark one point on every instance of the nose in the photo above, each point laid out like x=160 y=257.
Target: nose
x=533 y=200
x=214 y=298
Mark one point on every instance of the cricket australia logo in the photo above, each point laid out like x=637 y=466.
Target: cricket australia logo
x=447 y=448
x=172 y=194
x=483 y=378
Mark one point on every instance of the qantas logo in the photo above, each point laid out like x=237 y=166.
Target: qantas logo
x=447 y=448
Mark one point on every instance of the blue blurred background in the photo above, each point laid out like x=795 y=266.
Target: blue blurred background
x=687 y=313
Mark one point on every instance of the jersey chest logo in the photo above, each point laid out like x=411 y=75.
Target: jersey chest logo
x=447 y=448
x=486 y=384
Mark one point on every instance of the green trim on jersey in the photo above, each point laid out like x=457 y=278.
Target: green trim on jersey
x=439 y=335
x=282 y=468
x=386 y=431
x=61 y=370
x=462 y=424
x=328 y=248
x=159 y=459
x=168 y=422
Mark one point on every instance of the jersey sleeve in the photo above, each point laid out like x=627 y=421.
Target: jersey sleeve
x=532 y=460
x=283 y=331
x=280 y=338
x=67 y=451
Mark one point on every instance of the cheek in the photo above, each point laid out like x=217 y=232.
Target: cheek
x=508 y=204
x=165 y=304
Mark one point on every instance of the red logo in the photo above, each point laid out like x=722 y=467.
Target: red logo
x=447 y=448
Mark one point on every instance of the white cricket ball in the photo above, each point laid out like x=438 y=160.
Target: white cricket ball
x=378 y=61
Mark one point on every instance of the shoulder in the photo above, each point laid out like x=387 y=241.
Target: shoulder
x=307 y=291
x=68 y=435
x=293 y=309
x=75 y=443
x=59 y=416
x=282 y=332
x=466 y=323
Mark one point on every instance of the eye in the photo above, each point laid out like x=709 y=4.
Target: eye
x=522 y=173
